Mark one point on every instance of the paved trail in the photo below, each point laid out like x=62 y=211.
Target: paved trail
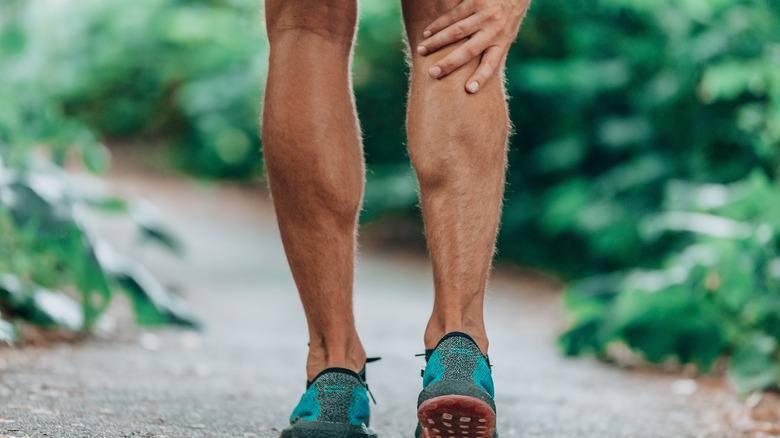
x=242 y=376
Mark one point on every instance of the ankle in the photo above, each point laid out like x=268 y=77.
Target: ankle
x=438 y=327
x=322 y=355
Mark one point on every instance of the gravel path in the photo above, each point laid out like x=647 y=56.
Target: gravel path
x=243 y=375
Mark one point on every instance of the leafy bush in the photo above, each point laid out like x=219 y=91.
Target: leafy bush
x=184 y=72
x=54 y=270
x=713 y=119
x=53 y=255
x=611 y=99
x=707 y=110
x=718 y=296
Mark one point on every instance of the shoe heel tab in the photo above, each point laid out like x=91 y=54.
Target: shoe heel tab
x=338 y=370
x=455 y=335
x=458 y=335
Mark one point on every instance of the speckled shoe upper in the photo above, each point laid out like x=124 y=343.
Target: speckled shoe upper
x=335 y=404
x=457 y=368
x=458 y=358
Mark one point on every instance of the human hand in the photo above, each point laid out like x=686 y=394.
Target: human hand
x=490 y=27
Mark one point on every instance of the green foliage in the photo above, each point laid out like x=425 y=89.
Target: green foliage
x=54 y=269
x=188 y=73
x=685 y=91
x=380 y=84
x=611 y=99
x=718 y=296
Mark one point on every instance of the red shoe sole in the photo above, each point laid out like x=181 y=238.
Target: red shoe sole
x=456 y=416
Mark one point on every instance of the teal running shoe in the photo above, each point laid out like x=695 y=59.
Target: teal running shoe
x=457 y=396
x=335 y=405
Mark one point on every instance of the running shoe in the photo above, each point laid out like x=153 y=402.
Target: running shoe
x=335 y=405
x=457 y=396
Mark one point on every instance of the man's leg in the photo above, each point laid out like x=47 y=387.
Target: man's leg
x=457 y=144
x=314 y=160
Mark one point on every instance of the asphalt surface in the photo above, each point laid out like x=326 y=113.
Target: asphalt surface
x=244 y=374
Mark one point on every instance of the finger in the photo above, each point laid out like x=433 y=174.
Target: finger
x=449 y=35
x=459 y=57
x=459 y=12
x=491 y=60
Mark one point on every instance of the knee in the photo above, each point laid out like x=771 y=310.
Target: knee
x=328 y=21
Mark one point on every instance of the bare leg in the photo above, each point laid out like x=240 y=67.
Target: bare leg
x=457 y=144
x=314 y=159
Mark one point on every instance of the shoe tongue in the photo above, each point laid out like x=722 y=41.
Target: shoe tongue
x=429 y=351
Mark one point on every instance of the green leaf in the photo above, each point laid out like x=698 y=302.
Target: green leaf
x=153 y=304
x=8 y=332
x=706 y=224
x=87 y=274
x=153 y=229
x=667 y=322
x=755 y=364
x=39 y=306
x=52 y=308
x=96 y=157
x=27 y=205
x=584 y=337
x=13 y=38
x=111 y=204
x=727 y=81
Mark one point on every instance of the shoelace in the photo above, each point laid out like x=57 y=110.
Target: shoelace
x=362 y=375
x=427 y=355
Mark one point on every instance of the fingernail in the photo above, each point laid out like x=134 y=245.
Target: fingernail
x=426 y=34
x=422 y=50
x=435 y=72
x=474 y=86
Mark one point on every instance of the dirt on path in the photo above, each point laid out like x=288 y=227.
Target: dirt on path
x=243 y=375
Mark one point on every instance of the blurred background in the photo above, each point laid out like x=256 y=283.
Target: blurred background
x=643 y=166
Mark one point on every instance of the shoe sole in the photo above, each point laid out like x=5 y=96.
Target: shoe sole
x=456 y=416
x=322 y=429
